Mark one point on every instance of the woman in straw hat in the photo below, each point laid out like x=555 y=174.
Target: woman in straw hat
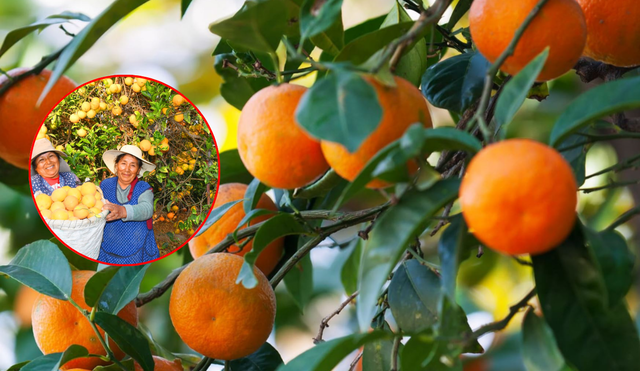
x=128 y=235
x=48 y=170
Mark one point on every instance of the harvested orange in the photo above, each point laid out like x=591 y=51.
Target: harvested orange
x=272 y=145
x=21 y=119
x=560 y=25
x=613 y=31
x=217 y=317
x=161 y=364
x=519 y=197
x=199 y=245
x=58 y=324
x=402 y=106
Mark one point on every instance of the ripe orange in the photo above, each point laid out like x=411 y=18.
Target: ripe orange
x=268 y=258
x=23 y=305
x=519 y=197
x=402 y=106
x=613 y=32
x=161 y=364
x=21 y=119
x=58 y=324
x=217 y=317
x=271 y=144
x=560 y=25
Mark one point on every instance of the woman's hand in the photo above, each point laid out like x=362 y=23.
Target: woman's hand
x=115 y=211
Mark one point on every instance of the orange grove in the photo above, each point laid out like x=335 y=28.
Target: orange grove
x=161 y=364
x=402 y=106
x=613 y=31
x=560 y=25
x=57 y=324
x=199 y=245
x=272 y=146
x=519 y=197
x=217 y=317
x=21 y=119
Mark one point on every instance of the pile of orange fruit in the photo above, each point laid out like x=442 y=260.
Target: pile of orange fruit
x=68 y=203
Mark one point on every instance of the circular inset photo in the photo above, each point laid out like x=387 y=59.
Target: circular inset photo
x=124 y=170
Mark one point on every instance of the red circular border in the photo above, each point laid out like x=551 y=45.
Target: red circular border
x=214 y=142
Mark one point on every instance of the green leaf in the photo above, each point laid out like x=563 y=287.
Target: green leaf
x=576 y=157
x=88 y=36
x=364 y=47
x=327 y=355
x=97 y=284
x=318 y=16
x=351 y=266
x=515 y=92
x=41 y=266
x=376 y=355
x=299 y=282
x=418 y=352
x=332 y=40
x=216 y=214
x=122 y=288
x=342 y=108
x=455 y=83
x=232 y=169
x=615 y=260
x=393 y=231
x=236 y=90
x=454 y=324
x=539 y=349
x=75 y=260
x=458 y=12
x=278 y=226
x=252 y=195
x=414 y=294
x=449 y=138
x=368 y=26
x=610 y=97
x=573 y=296
x=453 y=248
x=128 y=338
x=184 y=5
x=256 y=26
x=19 y=33
x=266 y=358
x=52 y=362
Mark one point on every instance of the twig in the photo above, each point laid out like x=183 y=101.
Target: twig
x=325 y=321
x=353 y=364
x=522 y=261
x=442 y=222
x=395 y=49
x=628 y=163
x=588 y=70
x=34 y=71
x=479 y=117
x=609 y=185
x=628 y=215
x=394 y=353
x=500 y=325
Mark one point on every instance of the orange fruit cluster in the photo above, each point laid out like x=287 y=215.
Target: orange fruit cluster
x=68 y=203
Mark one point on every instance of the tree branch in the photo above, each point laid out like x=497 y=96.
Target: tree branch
x=325 y=321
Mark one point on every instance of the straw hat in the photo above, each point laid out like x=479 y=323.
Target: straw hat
x=109 y=158
x=44 y=145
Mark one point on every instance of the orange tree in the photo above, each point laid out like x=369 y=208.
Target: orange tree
x=111 y=112
x=516 y=196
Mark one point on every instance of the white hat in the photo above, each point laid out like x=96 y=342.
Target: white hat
x=43 y=145
x=109 y=158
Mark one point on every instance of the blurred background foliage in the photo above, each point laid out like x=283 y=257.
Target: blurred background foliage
x=154 y=42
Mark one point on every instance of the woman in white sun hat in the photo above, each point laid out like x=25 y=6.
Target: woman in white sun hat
x=49 y=171
x=128 y=235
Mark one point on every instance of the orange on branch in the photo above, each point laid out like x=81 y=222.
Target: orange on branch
x=217 y=317
x=560 y=25
x=161 y=364
x=21 y=119
x=229 y=192
x=519 y=197
x=57 y=324
x=273 y=147
x=402 y=106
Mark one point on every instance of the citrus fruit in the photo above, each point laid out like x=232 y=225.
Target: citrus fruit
x=217 y=317
x=57 y=205
x=179 y=117
x=70 y=202
x=88 y=188
x=43 y=201
x=402 y=106
x=23 y=305
x=161 y=364
x=519 y=196
x=613 y=32
x=124 y=99
x=59 y=194
x=135 y=88
x=46 y=213
x=229 y=192
x=177 y=100
x=58 y=324
x=21 y=119
x=86 y=106
x=272 y=145
x=145 y=145
x=128 y=81
x=88 y=201
x=560 y=25
x=81 y=114
x=74 y=118
x=91 y=114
